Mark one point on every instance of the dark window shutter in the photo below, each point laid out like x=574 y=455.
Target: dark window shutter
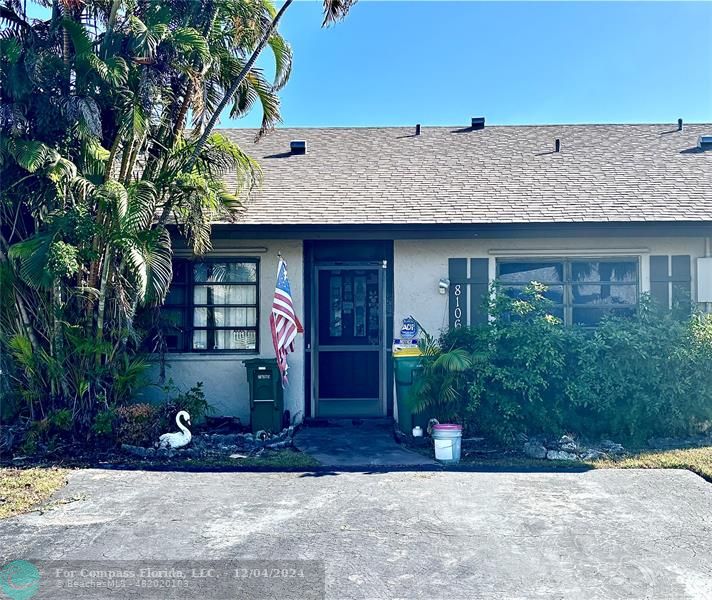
x=479 y=288
x=660 y=280
x=671 y=278
x=681 y=280
x=457 y=304
x=468 y=294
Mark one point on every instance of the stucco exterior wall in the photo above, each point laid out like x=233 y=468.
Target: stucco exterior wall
x=419 y=265
x=223 y=375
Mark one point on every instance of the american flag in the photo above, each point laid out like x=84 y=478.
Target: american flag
x=283 y=321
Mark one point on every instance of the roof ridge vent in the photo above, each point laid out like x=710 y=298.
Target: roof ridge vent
x=298 y=146
x=478 y=122
x=704 y=142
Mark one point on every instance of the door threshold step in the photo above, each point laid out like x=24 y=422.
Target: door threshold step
x=366 y=422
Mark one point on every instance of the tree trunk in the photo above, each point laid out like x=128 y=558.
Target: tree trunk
x=112 y=157
x=57 y=338
x=132 y=160
x=105 y=267
x=180 y=121
x=128 y=148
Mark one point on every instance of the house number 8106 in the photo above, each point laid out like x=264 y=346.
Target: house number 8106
x=458 y=310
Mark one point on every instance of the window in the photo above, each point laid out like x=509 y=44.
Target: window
x=213 y=306
x=582 y=290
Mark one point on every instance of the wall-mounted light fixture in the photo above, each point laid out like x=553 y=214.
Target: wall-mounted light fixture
x=443 y=286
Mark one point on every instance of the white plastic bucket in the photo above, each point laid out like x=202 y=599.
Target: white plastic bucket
x=447 y=441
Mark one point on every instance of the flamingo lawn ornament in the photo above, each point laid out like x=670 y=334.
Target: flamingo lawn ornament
x=180 y=438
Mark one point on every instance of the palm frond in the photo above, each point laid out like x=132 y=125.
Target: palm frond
x=456 y=360
x=220 y=155
x=189 y=41
x=113 y=198
x=117 y=71
x=79 y=36
x=142 y=199
x=158 y=256
x=32 y=255
x=13 y=21
x=10 y=49
x=256 y=88
x=62 y=171
x=31 y=155
x=282 y=52
x=336 y=10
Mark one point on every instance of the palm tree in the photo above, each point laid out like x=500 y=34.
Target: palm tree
x=93 y=106
x=334 y=10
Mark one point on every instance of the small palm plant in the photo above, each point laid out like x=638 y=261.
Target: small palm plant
x=441 y=388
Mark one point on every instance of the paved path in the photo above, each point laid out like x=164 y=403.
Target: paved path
x=367 y=444
x=599 y=534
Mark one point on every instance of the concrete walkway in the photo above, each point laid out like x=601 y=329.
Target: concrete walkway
x=596 y=535
x=367 y=443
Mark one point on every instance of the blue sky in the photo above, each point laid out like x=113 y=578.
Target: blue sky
x=439 y=63
x=403 y=62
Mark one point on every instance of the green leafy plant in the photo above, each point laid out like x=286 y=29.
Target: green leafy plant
x=439 y=388
x=103 y=425
x=192 y=401
x=141 y=424
x=646 y=376
x=137 y=424
x=520 y=366
x=107 y=116
x=523 y=372
x=95 y=160
x=60 y=419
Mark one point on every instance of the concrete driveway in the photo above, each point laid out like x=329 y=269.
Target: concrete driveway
x=598 y=534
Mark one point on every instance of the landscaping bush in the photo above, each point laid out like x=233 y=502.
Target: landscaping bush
x=137 y=424
x=520 y=368
x=523 y=372
x=646 y=376
x=193 y=402
x=142 y=424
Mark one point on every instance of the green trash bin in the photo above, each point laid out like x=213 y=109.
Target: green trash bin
x=266 y=394
x=406 y=369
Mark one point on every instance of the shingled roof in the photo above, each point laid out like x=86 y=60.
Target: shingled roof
x=499 y=174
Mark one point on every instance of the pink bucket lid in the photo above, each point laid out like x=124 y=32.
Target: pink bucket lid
x=447 y=427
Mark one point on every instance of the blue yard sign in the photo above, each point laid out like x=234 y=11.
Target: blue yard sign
x=409 y=329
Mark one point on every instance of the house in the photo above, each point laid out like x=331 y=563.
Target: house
x=380 y=224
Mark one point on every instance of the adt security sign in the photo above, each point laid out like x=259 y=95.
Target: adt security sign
x=409 y=329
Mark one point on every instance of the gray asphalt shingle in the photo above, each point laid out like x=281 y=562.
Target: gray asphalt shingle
x=501 y=174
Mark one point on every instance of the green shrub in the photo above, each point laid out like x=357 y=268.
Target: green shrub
x=142 y=424
x=193 y=402
x=137 y=424
x=524 y=372
x=103 y=425
x=520 y=367
x=650 y=375
x=61 y=419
